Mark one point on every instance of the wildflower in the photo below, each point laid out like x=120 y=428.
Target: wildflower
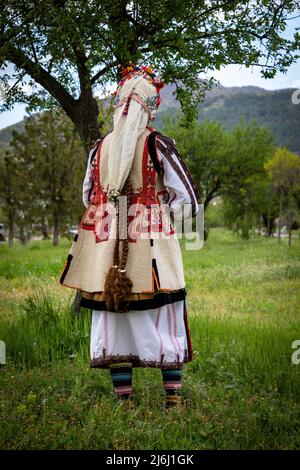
x=21 y=408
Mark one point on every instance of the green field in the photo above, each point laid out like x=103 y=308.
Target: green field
x=241 y=391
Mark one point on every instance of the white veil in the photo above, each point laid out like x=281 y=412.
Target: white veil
x=135 y=106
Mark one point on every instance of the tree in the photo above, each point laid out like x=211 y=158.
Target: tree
x=8 y=184
x=265 y=204
x=284 y=171
x=66 y=49
x=205 y=149
x=251 y=146
x=50 y=169
x=230 y=165
x=16 y=196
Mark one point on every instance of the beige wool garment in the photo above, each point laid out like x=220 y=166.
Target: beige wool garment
x=122 y=154
x=91 y=261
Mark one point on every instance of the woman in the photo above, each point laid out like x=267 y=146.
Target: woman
x=133 y=279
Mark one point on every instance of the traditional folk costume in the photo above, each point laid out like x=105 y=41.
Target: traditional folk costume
x=149 y=326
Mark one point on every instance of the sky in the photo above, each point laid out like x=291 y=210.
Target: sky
x=236 y=75
x=232 y=75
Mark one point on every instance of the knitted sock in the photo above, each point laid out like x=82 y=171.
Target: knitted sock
x=121 y=375
x=172 y=386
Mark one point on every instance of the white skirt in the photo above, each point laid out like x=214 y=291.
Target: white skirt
x=157 y=337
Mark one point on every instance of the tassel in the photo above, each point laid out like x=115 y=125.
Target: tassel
x=123 y=288
x=125 y=112
x=109 y=282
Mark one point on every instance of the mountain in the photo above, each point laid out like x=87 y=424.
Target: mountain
x=6 y=134
x=271 y=108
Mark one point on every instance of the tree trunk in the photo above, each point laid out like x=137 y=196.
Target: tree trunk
x=56 y=230
x=45 y=230
x=22 y=235
x=280 y=216
x=269 y=217
x=259 y=225
x=290 y=223
x=10 y=233
x=268 y=223
x=245 y=228
x=290 y=236
x=86 y=120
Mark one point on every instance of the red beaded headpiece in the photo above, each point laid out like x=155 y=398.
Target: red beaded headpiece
x=149 y=75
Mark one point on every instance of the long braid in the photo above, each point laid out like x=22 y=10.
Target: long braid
x=108 y=292
x=122 y=284
x=117 y=285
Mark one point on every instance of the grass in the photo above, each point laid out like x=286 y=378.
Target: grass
x=241 y=391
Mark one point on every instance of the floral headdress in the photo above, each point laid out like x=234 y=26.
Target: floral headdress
x=136 y=101
x=150 y=103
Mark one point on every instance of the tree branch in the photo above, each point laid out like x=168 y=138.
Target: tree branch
x=216 y=7
x=103 y=71
x=41 y=76
x=214 y=192
x=15 y=84
x=83 y=72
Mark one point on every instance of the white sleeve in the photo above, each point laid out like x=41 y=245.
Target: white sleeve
x=87 y=183
x=179 y=187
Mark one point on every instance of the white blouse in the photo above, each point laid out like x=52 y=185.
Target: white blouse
x=175 y=186
x=87 y=183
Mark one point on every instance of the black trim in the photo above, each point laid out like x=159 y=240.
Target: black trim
x=188 y=334
x=76 y=237
x=160 y=299
x=64 y=273
x=152 y=151
x=104 y=361
x=154 y=265
x=168 y=147
x=92 y=158
x=95 y=151
x=97 y=143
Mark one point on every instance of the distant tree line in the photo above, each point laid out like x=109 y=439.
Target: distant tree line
x=40 y=176
x=253 y=182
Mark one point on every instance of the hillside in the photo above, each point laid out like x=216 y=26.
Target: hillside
x=6 y=133
x=272 y=108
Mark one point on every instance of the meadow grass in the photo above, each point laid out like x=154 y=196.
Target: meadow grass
x=241 y=391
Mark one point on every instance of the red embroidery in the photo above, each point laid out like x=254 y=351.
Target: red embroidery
x=145 y=212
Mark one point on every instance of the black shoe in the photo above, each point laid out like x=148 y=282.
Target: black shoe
x=125 y=400
x=171 y=405
x=124 y=396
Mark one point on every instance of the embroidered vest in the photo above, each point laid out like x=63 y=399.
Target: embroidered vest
x=145 y=214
